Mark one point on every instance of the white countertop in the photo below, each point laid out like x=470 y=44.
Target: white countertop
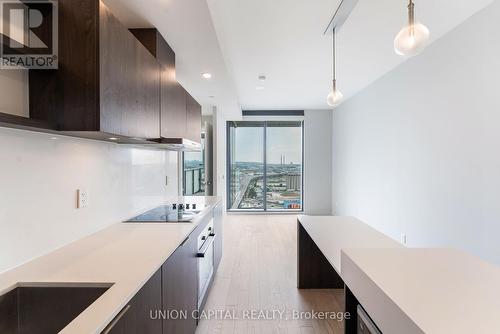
x=432 y=291
x=126 y=255
x=333 y=233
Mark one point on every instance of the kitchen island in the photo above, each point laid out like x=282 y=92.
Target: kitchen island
x=398 y=289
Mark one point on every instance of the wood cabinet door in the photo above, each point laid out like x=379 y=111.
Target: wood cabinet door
x=218 y=238
x=124 y=323
x=146 y=302
x=180 y=288
x=173 y=106
x=139 y=316
x=193 y=119
x=129 y=82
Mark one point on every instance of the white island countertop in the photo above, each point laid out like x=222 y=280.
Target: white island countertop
x=124 y=255
x=333 y=233
x=432 y=291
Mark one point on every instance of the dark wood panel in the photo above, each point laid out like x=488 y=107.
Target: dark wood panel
x=313 y=269
x=164 y=53
x=156 y=45
x=173 y=104
x=147 y=37
x=124 y=323
x=180 y=285
x=9 y=312
x=106 y=82
x=149 y=298
x=135 y=317
x=351 y=307
x=69 y=95
x=130 y=82
x=173 y=107
x=193 y=130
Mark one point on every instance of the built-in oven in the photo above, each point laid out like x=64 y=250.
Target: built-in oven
x=205 y=260
x=365 y=324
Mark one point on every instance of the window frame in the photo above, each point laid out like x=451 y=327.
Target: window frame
x=264 y=210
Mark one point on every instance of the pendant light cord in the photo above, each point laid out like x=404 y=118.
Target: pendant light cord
x=411 y=13
x=334 y=71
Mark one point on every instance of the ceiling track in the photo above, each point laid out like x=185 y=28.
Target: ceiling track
x=341 y=14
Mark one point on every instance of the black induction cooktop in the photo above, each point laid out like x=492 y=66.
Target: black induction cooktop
x=166 y=214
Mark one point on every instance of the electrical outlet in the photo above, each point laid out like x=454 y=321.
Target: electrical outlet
x=404 y=239
x=82 y=198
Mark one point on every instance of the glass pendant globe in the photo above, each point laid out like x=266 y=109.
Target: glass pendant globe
x=335 y=98
x=411 y=40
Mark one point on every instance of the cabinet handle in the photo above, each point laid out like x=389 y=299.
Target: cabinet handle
x=206 y=245
x=184 y=242
x=116 y=319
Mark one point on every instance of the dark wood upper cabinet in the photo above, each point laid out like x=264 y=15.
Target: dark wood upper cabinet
x=180 y=113
x=193 y=131
x=157 y=46
x=173 y=108
x=107 y=82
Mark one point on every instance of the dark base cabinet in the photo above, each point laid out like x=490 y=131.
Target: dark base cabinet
x=168 y=302
x=180 y=282
x=351 y=306
x=136 y=317
x=313 y=269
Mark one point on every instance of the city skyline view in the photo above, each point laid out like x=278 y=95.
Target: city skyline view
x=273 y=184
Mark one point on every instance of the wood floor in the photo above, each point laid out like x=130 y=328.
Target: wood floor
x=258 y=272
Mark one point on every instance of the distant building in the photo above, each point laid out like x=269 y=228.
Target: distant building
x=293 y=181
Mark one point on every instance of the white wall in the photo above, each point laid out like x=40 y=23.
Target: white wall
x=220 y=155
x=318 y=162
x=39 y=177
x=418 y=152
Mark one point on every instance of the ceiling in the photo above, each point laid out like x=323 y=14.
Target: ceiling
x=284 y=40
x=238 y=40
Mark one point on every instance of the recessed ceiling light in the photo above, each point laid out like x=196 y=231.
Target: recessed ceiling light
x=262 y=78
x=113 y=138
x=211 y=96
x=207 y=75
x=259 y=87
x=54 y=138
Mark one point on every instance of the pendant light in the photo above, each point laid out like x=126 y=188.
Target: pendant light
x=413 y=38
x=335 y=97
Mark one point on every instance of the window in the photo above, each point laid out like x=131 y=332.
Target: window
x=194 y=172
x=265 y=166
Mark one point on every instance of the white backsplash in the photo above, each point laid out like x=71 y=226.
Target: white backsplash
x=39 y=178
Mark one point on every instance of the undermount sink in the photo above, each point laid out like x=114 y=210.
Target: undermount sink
x=48 y=309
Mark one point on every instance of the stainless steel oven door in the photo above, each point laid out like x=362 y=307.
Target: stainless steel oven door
x=365 y=324
x=205 y=260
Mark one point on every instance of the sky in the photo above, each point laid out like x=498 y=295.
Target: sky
x=280 y=141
